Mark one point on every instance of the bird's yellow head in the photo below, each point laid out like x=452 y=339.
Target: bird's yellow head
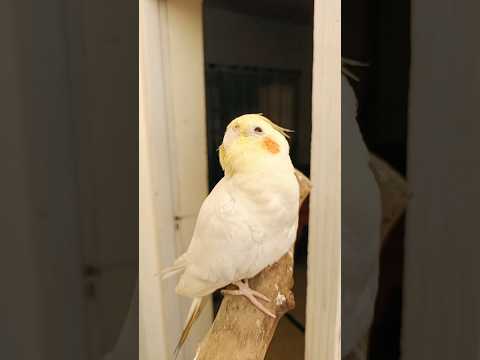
x=250 y=141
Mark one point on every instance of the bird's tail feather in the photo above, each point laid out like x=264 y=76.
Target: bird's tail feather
x=172 y=270
x=196 y=308
x=179 y=265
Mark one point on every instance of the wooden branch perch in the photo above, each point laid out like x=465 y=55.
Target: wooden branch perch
x=242 y=332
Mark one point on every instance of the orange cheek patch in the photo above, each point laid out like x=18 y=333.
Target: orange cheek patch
x=271 y=146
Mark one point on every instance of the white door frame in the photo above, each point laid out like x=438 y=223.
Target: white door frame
x=173 y=165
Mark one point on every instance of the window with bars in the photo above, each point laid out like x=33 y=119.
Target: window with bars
x=232 y=91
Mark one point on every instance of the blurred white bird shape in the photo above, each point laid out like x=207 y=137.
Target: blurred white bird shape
x=361 y=220
x=248 y=221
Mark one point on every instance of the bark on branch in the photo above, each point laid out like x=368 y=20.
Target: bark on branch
x=242 y=332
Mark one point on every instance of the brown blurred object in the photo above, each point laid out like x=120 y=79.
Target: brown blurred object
x=393 y=192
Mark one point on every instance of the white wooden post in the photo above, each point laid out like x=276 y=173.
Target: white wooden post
x=324 y=262
x=173 y=165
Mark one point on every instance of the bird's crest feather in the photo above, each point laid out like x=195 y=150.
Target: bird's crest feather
x=281 y=130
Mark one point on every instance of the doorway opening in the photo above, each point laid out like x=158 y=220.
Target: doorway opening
x=258 y=59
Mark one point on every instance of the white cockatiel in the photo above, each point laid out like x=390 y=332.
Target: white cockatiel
x=247 y=222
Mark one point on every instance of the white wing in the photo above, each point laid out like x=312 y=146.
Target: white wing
x=235 y=237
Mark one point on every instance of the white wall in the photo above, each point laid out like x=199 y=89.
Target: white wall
x=232 y=37
x=239 y=39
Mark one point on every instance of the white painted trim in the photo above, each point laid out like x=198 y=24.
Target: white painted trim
x=156 y=216
x=324 y=253
x=173 y=165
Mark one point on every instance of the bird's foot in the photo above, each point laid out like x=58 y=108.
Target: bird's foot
x=250 y=294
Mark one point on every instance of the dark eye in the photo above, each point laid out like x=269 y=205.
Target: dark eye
x=258 y=129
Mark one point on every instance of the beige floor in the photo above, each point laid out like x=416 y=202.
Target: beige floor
x=289 y=342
